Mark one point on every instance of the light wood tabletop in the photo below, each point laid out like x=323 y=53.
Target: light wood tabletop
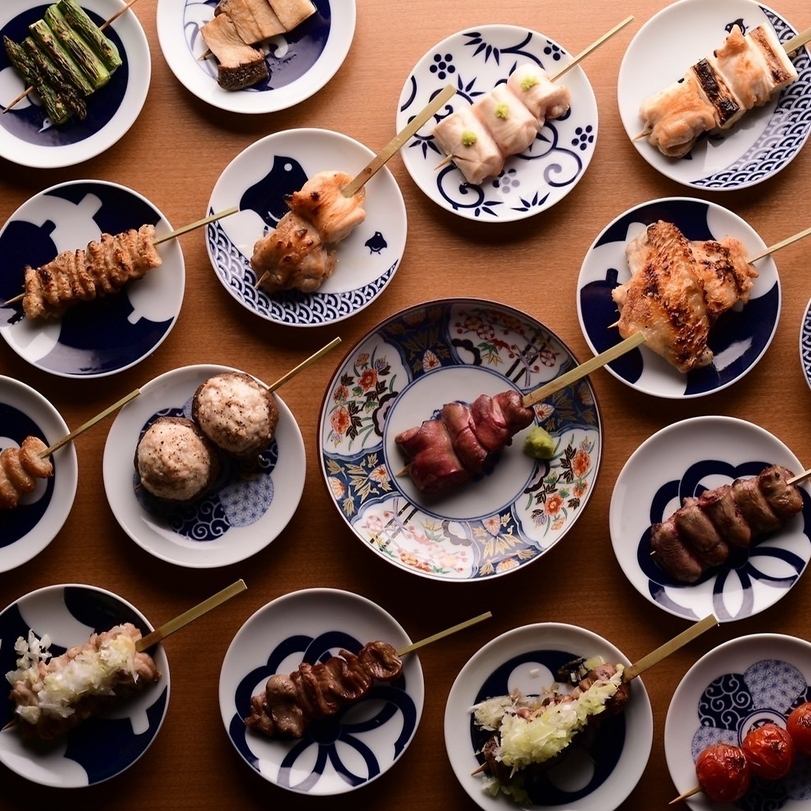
x=173 y=155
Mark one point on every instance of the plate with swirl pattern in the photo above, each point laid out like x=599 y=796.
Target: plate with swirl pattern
x=400 y=374
x=258 y=180
x=805 y=344
x=239 y=515
x=762 y=143
x=338 y=753
x=475 y=61
x=682 y=461
x=737 y=687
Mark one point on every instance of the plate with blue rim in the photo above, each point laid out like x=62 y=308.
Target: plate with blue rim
x=95 y=338
x=337 y=754
x=762 y=143
x=400 y=374
x=474 y=61
x=681 y=461
x=738 y=339
x=736 y=687
x=28 y=529
x=805 y=344
x=102 y=746
x=258 y=180
x=27 y=135
x=590 y=777
x=237 y=517
x=300 y=61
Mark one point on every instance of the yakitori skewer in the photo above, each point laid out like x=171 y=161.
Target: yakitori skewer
x=429 y=640
x=305 y=363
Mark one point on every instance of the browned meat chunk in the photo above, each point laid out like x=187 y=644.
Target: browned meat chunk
x=720 y=507
x=458 y=420
x=434 y=465
x=754 y=507
x=699 y=534
x=672 y=555
x=321 y=202
x=785 y=499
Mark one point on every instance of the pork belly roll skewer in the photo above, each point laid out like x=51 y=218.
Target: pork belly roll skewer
x=511 y=124
x=19 y=470
x=463 y=136
x=699 y=535
x=544 y=99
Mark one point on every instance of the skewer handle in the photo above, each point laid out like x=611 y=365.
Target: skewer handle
x=696 y=790
x=593 y=47
x=191 y=615
x=396 y=143
x=442 y=634
x=305 y=363
x=797 y=42
x=13 y=300
x=89 y=424
x=197 y=224
x=782 y=244
x=663 y=651
x=584 y=369
x=801 y=477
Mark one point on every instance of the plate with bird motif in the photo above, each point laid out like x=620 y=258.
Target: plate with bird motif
x=738 y=336
x=399 y=375
x=258 y=180
x=28 y=134
x=360 y=741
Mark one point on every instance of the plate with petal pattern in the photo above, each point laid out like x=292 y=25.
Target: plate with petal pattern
x=363 y=740
x=734 y=688
x=474 y=62
x=681 y=461
x=396 y=377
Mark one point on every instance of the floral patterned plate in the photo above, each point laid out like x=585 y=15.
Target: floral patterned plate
x=739 y=685
x=681 y=461
x=399 y=375
x=337 y=754
x=475 y=61
x=237 y=518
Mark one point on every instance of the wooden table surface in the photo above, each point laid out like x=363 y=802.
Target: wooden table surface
x=173 y=155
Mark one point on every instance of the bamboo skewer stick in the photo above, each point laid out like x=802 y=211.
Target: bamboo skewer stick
x=593 y=47
x=304 y=364
x=191 y=615
x=442 y=634
x=806 y=474
x=696 y=790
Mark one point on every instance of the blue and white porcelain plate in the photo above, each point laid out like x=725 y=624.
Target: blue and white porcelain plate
x=300 y=62
x=805 y=344
x=102 y=746
x=401 y=374
x=683 y=460
x=27 y=135
x=239 y=516
x=739 y=338
x=95 y=338
x=474 y=62
x=28 y=529
x=734 y=688
x=363 y=740
x=762 y=143
x=258 y=180
x=593 y=778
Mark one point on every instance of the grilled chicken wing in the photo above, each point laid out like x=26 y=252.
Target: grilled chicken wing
x=321 y=203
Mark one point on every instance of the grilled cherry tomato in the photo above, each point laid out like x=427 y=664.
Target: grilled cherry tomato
x=799 y=727
x=770 y=751
x=723 y=773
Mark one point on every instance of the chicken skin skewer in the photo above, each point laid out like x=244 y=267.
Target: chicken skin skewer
x=19 y=470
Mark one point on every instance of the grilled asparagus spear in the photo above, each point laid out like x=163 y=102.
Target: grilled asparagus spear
x=79 y=20
x=55 y=107
x=82 y=53
x=59 y=56
x=70 y=95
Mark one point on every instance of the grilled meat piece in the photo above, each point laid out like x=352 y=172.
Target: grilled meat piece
x=19 y=470
x=239 y=65
x=720 y=507
x=463 y=136
x=698 y=532
x=754 y=507
x=671 y=554
x=544 y=99
x=784 y=499
x=511 y=124
x=725 y=275
x=321 y=203
x=434 y=466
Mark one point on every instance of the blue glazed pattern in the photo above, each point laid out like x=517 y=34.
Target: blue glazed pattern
x=604 y=750
x=805 y=345
x=29 y=123
x=397 y=708
x=734 y=703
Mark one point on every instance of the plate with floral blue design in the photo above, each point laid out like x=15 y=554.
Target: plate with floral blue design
x=337 y=754
x=28 y=529
x=475 y=61
x=102 y=746
x=738 y=339
x=94 y=338
x=736 y=687
x=762 y=143
x=237 y=517
x=400 y=374
x=585 y=778
x=681 y=461
x=805 y=344
x=258 y=180
x=27 y=135
x=300 y=61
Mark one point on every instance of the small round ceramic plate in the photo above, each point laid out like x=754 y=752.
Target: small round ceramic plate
x=734 y=688
x=682 y=461
x=258 y=180
x=301 y=61
x=738 y=339
x=104 y=745
x=583 y=779
x=762 y=143
x=805 y=344
x=27 y=135
x=401 y=374
x=95 y=338
x=28 y=529
x=336 y=754
x=474 y=62
x=237 y=518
